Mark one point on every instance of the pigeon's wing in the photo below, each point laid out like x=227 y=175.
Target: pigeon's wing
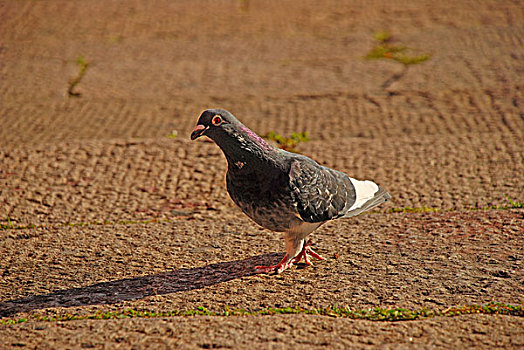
x=319 y=193
x=322 y=194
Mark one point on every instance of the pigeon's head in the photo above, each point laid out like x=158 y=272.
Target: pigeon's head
x=216 y=124
x=236 y=140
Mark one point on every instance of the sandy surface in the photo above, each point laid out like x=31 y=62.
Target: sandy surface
x=125 y=217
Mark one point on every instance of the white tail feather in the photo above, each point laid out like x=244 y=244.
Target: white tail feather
x=368 y=196
x=364 y=190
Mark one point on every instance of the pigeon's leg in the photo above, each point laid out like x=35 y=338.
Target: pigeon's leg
x=294 y=245
x=304 y=253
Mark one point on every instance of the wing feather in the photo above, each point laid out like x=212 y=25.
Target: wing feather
x=320 y=193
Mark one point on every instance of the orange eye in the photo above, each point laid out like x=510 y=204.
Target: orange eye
x=216 y=120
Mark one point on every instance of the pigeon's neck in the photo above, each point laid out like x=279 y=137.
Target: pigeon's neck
x=255 y=141
x=246 y=149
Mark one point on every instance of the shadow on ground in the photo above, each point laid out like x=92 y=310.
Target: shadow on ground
x=140 y=287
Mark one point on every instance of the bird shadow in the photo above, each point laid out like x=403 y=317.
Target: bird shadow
x=112 y=292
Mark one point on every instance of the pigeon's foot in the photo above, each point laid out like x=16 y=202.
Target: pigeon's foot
x=284 y=264
x=304 y=253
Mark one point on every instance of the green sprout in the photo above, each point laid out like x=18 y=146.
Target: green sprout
x=386 y=50
x=288 y=143
x=372 y=314
x=82 y=66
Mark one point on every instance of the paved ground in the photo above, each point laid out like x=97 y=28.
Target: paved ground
x=126 y=217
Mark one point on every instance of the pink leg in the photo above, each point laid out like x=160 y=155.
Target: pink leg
x=286 y=262
x=304 y=253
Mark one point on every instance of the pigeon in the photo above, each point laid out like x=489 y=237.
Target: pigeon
x=284 y=191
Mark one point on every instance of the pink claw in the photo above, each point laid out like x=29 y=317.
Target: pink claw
x=304 y=253
x=286 y=263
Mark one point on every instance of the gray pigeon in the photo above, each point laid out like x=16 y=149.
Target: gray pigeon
x=283 y=191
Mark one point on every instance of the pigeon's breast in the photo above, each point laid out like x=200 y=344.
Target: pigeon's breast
x=265 y=198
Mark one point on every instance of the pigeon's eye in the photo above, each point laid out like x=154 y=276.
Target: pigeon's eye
x=216 y=120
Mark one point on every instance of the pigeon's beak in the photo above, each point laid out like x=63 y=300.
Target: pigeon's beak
x=198 y=131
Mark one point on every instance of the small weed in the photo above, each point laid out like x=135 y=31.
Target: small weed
x=512 y=205
x=423 y=209
x=82 y=66
x=375 y=314
x=9 y=225
x=115 y=39
x=288 y=143
x=173 y=134
x=407 y=60
x=515 y=205
x=385 y=49
x=382 y=51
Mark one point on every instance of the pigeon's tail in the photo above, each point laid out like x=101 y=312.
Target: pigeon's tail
x=379 y=197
